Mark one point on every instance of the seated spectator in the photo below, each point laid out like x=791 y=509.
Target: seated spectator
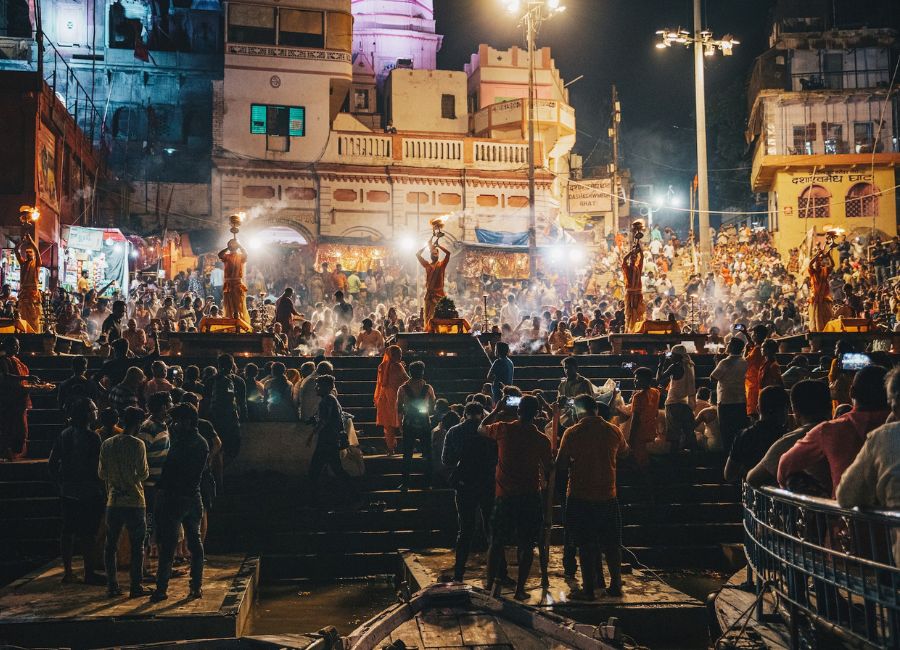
x=796 y=371
x=370 y=341
x=873 y=479
x=561 y=341
x=811 y=405
x=838 y=441
x=753 y=442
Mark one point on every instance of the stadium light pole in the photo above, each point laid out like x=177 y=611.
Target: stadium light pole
x=704 y=45
x=535 y=13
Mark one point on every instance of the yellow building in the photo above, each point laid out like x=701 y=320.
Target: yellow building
x=825 y=124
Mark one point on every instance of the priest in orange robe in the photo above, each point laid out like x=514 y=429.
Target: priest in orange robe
x=234 y=292
x=632 y=267
x=29 y=300
x=434 y=278
x=820 y=311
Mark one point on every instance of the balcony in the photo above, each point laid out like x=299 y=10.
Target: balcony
x=513 y=116
x=421 y=151
x=767 y=165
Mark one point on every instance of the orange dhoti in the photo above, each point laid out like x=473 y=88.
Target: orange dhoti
x=634 y=310
x=820 y=313
x=432 y=298
x=234 y=300
x=30 y=308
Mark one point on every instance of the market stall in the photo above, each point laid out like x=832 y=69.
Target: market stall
x=9 y=271
x=352 y=257
x=102 y=252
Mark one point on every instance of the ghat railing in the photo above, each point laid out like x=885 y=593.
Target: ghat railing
x=839 y=568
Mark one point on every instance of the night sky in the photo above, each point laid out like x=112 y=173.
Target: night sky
x=612 y=41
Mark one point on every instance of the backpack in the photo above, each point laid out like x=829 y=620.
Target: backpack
x=221 y=397
x=415 y=409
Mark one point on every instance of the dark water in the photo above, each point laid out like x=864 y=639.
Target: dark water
x=298 y=607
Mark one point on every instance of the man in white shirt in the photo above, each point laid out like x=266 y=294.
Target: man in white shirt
x=655 y=247
x=217 y=281
x=730 y=374
x=509 y=313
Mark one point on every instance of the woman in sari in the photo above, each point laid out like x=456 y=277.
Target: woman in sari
x=14 y=401
x=391 y=375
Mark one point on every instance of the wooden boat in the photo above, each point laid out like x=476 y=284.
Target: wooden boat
x=460 y=616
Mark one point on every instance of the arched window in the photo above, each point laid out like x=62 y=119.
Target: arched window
x=862 y=201
x=815 y=203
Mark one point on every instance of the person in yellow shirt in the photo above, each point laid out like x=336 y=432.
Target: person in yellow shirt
x=83 y=285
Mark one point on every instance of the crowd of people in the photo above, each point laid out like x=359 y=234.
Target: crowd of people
x=147 y=442
x=337 y=311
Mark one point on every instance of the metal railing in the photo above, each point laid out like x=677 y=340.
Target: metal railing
x=23 y=54
x=64 y=83
x=836 y=567
x=821 y=79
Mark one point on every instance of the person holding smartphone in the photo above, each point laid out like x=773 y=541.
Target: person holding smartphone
x=524 y=458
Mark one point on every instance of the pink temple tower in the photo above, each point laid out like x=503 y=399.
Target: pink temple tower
x=389 y=33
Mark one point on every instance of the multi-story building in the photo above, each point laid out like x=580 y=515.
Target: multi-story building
x=148 y=68
x=296 y=149
x=826 y=121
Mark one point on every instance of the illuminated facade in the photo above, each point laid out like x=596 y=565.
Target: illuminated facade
x=826 y=124
x=395 y=33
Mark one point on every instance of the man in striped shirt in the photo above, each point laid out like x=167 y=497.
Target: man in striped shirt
x=155 y=435
x=127 y=393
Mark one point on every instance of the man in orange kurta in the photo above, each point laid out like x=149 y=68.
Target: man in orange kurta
x=234 y=293
x=29 y=300
x=819 y=292
x=755 y=360
x=632 y=267
x=434 y=278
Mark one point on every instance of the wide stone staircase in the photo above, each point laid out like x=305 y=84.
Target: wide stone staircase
x=679 y=518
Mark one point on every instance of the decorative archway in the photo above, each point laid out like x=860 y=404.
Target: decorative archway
x=269 y=231
x=814 y=202
x=862 y=201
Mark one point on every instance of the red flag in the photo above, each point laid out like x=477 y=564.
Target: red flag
x=140 y=47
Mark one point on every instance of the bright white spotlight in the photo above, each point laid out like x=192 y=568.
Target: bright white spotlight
x=254 y=243
x=134 y=254
x=675 y=200
x=407 y=243
x=577 y=255
x=512 y=6
x=553 y=4
x=659 y=201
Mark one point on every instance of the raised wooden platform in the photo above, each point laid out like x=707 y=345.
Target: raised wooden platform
x=418 y=343
x=658 y=611
x=654 y=343
x=39 y=611
x=825 y=341
x=214 y=343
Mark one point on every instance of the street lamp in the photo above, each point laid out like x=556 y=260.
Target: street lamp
x=704 y=45
x=535 y=13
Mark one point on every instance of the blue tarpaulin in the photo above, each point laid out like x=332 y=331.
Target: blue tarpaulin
x=500 y=238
